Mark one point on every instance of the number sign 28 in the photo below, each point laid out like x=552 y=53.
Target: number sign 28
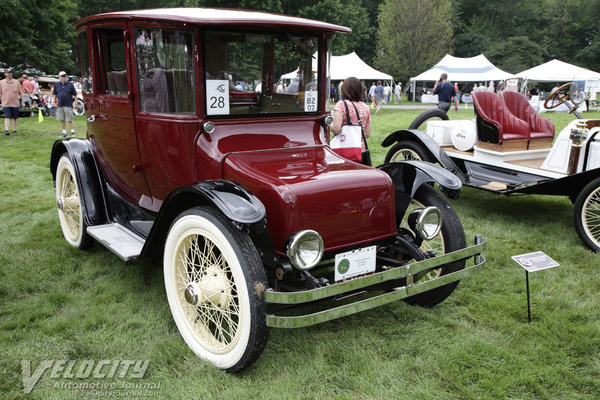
x=217 y=96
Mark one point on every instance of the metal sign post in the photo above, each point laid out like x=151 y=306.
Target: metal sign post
x=532 y=262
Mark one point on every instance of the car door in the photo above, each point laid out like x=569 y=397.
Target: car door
x=112 y=122
x=167 y=120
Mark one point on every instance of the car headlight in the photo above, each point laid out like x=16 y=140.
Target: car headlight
x=305 y=249
x=426 y=222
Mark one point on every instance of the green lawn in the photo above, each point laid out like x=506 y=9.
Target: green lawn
x=59 y=303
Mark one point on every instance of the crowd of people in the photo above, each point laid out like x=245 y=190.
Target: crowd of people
x=21 y=93
x=377 y=94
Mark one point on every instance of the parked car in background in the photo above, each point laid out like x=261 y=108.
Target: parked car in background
x=509 y=149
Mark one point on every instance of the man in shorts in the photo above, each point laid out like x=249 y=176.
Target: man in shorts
x=11 y=93
x=66 y=94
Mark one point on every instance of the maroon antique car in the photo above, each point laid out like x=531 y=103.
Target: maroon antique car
x=258 y=222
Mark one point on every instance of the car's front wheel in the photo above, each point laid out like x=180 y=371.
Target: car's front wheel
x=215 y=284
x=450 y=238
x=587 y=215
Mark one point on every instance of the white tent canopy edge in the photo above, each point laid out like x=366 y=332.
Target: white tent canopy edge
x=459 y=69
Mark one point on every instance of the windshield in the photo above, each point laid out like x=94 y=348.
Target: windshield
x=249 y=73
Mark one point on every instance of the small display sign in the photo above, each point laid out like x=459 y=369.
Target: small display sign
x=535 y=261
x=310 y=100
x=217 y=97
x=355 y=263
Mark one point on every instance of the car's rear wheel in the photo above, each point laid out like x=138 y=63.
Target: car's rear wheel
x=406 y=150
x=450 y=238
x=68 y=201
x=215 y=284
x=587 y=215
x=435 y=114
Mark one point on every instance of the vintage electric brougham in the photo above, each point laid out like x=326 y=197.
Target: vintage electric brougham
x=193 y=155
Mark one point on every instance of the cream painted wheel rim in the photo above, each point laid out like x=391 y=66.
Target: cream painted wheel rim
x=590 y=216
x=405 y=155
x=200 y=260
x=68 y=202
x=215 y=318
x=436 y=244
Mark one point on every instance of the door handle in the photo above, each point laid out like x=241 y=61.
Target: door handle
x=91 y=119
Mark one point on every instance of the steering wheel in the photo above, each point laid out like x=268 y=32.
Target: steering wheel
x=558 y=97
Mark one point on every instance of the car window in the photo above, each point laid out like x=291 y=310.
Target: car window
x=257 y=73
x=165 y=69
x=86 y=72
x=112 y=60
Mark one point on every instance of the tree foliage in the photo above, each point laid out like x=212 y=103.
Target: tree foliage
x=401 y=37
x=37 y=34
x=413 y=36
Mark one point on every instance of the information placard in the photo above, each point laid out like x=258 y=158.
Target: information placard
x=535 y=261
x=310 y=100
x=355 y=263
x=217 y=97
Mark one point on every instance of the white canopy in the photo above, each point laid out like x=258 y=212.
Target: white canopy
x=558 y=71
x=471 y=69
x=348 y=65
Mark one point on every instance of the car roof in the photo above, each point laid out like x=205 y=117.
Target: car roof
x=217 y=16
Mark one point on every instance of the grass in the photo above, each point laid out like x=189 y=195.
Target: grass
x=59 y=303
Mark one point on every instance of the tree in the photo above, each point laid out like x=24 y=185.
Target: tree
x=40 y=36
x=341 y=12
x=413 y=36
x=470 y=44
x=516 y=54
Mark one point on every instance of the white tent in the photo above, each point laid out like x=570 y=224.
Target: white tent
x=348 y=65
x=558 y=71
x=471 y=69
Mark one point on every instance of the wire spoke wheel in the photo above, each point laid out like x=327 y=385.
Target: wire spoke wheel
x=587 y=215
x=203 y=271
x=436 y=244
x=451 y=237
x=405 y=155
x=215 y=285
x=68 y=201
x=591 y=216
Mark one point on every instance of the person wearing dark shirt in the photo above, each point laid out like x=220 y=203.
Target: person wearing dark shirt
x=534 y=91
x=446 y=93
x=65 y=93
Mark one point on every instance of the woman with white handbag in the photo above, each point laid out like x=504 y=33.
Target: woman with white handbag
x=351 y=124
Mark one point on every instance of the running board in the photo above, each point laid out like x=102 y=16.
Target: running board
x=120 y=240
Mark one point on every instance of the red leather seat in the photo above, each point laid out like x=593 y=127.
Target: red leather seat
x=539 y=127
x=495 y=123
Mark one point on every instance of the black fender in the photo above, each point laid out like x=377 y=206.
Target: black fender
x=408 y=176
x=244 y=209
x=431 y=146
x=570 y=185
x=88 y=175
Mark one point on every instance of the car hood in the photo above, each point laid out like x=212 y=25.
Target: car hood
x=313 y=188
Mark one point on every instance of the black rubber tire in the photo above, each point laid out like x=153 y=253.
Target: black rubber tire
x=426 y=115
x=453 y=238
x=247 y=274
x=408 y=145
x=588 y=198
